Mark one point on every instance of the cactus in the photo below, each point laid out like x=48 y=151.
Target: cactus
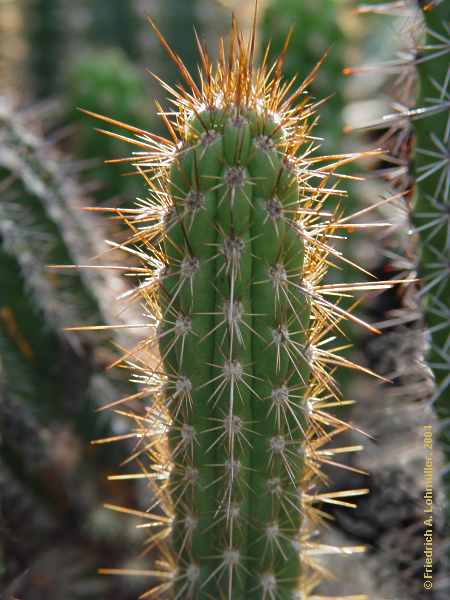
x=115 y=23
x=233 y=244
x=416 y=137
x=181 y=18
x=420 y=171
x=432 y=205
x=51 y=381
x=40 y=223
x=317 y=31
x=431 y=215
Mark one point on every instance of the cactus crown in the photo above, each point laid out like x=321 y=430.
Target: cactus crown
x=233 y=242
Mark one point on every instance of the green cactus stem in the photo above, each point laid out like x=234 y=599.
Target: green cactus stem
x=41 y=223
x=233 y=244
x=432 y=204
x=431 y=215
x=416 y=136
x=44 y=29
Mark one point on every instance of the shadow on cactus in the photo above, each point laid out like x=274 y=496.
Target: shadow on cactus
x=232 y=245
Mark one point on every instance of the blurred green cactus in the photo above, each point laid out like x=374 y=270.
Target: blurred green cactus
x=105 y=82
x=181 y=18
x=432 y=205
x=316 y=29
x=41 y=223
x=431 y=215
x=45 y=37
x=416 y=137
x=114 y=24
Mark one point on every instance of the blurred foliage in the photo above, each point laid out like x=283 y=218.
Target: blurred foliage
x=177 y=21
x=315 y=30
x=106 y=83
x=116 y=24
x=43 y=21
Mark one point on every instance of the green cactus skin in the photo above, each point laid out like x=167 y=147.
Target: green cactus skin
x=317 y=32
x=432 y=204
x=431 y=215
x=232 y=169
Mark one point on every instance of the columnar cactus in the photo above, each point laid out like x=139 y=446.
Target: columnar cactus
x=114 y=23
x=233 y=244
x=180 y=18
x=432 y=207
x=431 y=215
x=316 y=31
x=52 y=381
x=41 y=223
x=416 y=138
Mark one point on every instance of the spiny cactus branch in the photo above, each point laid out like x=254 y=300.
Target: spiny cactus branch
x=232 y=245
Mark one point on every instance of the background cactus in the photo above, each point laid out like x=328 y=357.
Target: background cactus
x=431 y=216
x=44 y=29
x=108 y=83
x=431 y=122
x=52 y=382
x=319 y=29
x=316 y=28
x=233 y=244
x=401 y=351
x=115 y=24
